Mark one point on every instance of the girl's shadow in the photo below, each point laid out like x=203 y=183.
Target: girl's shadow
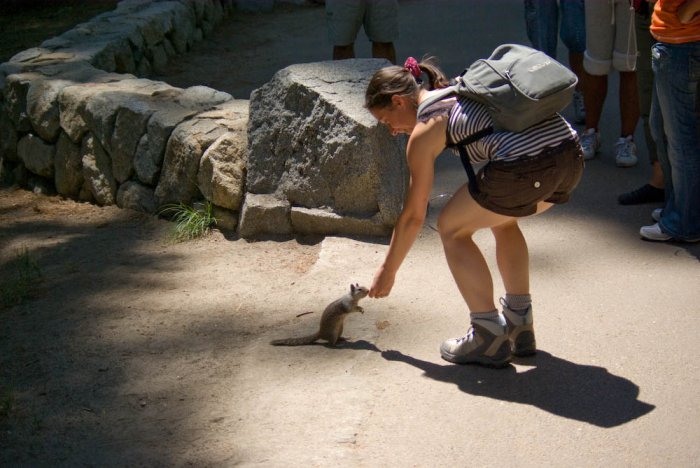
x=584 y=393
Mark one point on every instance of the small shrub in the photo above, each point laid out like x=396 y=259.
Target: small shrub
x=22 y=274
x=191 y=222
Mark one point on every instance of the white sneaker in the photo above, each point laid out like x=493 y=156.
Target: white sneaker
x=579 y=109
x=654 y=233
x=656 y=214
x=590 y=142
x=625 y=152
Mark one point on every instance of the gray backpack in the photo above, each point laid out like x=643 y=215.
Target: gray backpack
x=520 y=86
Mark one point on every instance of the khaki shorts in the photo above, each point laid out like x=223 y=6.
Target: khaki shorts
x=514 y=188
x=610 y=37
x=344 y=18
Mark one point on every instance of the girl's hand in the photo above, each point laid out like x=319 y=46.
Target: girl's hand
x=382 y=283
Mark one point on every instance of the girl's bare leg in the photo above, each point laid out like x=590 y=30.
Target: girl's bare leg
x=458 y=222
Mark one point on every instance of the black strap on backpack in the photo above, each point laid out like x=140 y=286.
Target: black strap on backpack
x=462 y=147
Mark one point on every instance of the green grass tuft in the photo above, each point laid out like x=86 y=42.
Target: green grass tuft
x=190 y=222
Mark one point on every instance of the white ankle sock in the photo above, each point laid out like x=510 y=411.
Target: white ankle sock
x=493 y=315
x=518 y=302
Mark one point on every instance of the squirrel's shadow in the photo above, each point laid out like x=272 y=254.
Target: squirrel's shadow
x=585 y=393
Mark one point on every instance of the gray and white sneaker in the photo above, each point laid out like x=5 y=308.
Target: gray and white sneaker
x=579 y=109
x=521 y=332
x=590 y=143
x=485 y=343
x=654 y=233
x=656 y=214
x=625 y=152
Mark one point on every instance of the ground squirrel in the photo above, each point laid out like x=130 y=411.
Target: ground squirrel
x=331 y=327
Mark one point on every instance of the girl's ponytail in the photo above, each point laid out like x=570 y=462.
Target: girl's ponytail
x=403 y=81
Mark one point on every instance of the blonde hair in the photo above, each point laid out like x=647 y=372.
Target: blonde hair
x=399 y=81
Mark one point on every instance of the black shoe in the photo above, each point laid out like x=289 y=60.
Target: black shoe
x=644 y=194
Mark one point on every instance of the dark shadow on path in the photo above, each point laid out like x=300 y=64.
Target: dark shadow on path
x=360 y=345
x=585 y=393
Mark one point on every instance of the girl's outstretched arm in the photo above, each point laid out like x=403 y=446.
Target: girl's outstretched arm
x=425 y=144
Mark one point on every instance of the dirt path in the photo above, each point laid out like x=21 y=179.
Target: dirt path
x=251 y=48
x=127 y=340
x=126 y=347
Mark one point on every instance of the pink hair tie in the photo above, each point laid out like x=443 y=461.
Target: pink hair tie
x=411 y=66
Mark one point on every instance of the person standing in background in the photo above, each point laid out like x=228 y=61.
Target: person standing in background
x=653 y=190
x=675 y=24
x=610 y=44
x=379 y=18
x=547 y=19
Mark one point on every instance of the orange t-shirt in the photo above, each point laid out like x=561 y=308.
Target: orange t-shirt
x=666 y=27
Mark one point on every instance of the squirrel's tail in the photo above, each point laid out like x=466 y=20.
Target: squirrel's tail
x=304 y=340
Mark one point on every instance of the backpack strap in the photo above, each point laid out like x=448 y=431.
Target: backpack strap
x=436 y=97
x=462 y=147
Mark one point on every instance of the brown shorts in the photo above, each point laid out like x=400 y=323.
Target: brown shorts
x=513 y=188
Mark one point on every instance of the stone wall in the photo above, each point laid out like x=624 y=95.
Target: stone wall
x=78 y=118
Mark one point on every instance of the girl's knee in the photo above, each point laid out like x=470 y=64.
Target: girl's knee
x=506 y=229
x=450 y=230
x=444 y=226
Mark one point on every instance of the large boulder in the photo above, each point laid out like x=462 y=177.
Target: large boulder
x=313 y=145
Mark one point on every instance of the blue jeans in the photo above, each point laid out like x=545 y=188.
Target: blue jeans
x=542 y=23
x=677 y=75
x=656 y=130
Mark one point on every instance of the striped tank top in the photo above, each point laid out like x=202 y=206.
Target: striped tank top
x=467 y=117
